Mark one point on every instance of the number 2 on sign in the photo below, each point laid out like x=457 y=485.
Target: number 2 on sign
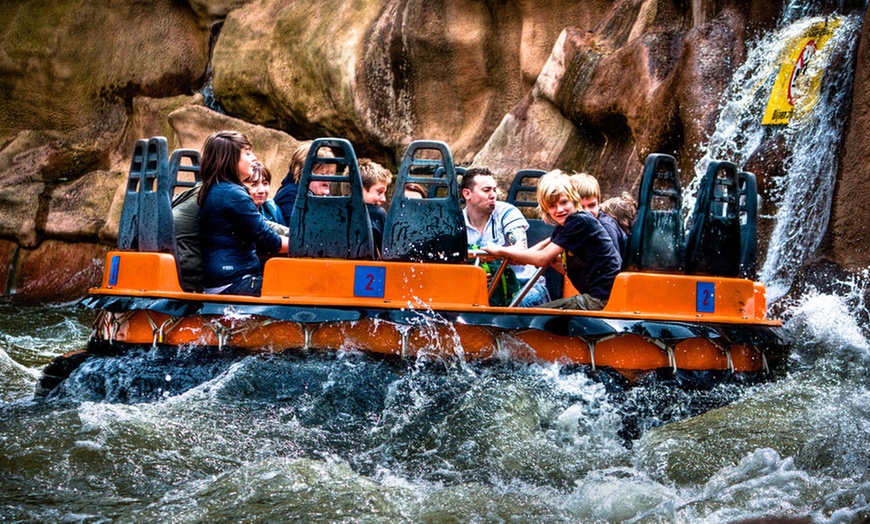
x=705 y=297
x=368 y=281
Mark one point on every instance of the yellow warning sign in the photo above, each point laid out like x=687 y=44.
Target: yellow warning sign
x=794 y=90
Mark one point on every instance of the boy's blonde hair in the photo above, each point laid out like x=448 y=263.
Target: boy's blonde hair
x=373 y=173
x=623 y=209
x=586 y=186
x=297 y=159
x=551 y=187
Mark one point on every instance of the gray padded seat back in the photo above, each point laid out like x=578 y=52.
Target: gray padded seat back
x=331 y=226
x=426 y=229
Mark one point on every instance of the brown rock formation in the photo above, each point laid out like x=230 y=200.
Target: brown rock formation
x=58 y=270
x=850 y=229
x=624 y=97
x=70 y=65
x=8 y=261
x=592 y=86
x=33 y=166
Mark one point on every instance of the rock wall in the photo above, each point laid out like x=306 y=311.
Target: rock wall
x=850 y=229
x=591 y=86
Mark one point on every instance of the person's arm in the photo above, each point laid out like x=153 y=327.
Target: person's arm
x=285 y=245
x=536 y=257
x=555 y=263
x=558 y=266
x=250 y=222
x=541 y=245
x=517 y=237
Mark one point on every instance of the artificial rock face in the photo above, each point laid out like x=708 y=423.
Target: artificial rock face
x=587 y=86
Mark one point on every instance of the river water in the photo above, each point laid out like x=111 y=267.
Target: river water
x=158 y=437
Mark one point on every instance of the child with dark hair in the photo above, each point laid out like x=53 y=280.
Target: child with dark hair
x=259 y=185
x=375 y=179
x=623 y=209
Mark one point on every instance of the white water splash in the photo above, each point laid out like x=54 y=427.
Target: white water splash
x=828 y=326
x=808 y=188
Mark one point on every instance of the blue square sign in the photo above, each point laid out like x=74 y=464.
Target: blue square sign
x=368 y=281
x=705 y=297
x=113 y=270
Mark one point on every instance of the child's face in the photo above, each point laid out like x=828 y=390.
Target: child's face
x=321 y=188
x=561 y=209
x=258 y=190
x=377 y=194
x=590 y=204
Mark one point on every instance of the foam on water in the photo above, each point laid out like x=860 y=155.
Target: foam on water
x=827 y=328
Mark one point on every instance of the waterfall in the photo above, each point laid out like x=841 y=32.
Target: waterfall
x=207 y=89
x=804 y=193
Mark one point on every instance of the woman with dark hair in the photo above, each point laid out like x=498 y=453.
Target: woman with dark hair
x=232 y=231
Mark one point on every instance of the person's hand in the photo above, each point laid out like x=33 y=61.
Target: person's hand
x=494 y=250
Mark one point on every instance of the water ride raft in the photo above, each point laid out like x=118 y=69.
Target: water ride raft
x=685 y=303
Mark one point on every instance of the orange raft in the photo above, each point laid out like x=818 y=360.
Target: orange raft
x=419 y=297
x=652 y=322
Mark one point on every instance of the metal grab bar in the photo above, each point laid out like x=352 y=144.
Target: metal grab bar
x=478 y=255
x=525 y=290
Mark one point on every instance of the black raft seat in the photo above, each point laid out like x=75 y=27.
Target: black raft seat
x=722 y=236
x=713 y=246
x=147 y=222
x=656 y=242
x=146 y=217
x=748 y=224
x=426 y=229
x=331 y=226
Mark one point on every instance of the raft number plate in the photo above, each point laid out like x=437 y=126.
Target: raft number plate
x=368 y=281
x=113 y=272
x=705 y=297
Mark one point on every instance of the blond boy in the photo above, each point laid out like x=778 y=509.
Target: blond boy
x=375 y=179
x=590 y=193
x=589 y=257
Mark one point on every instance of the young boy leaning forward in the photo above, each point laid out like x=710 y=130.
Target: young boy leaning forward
x=375 y=179
x=588 y=254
